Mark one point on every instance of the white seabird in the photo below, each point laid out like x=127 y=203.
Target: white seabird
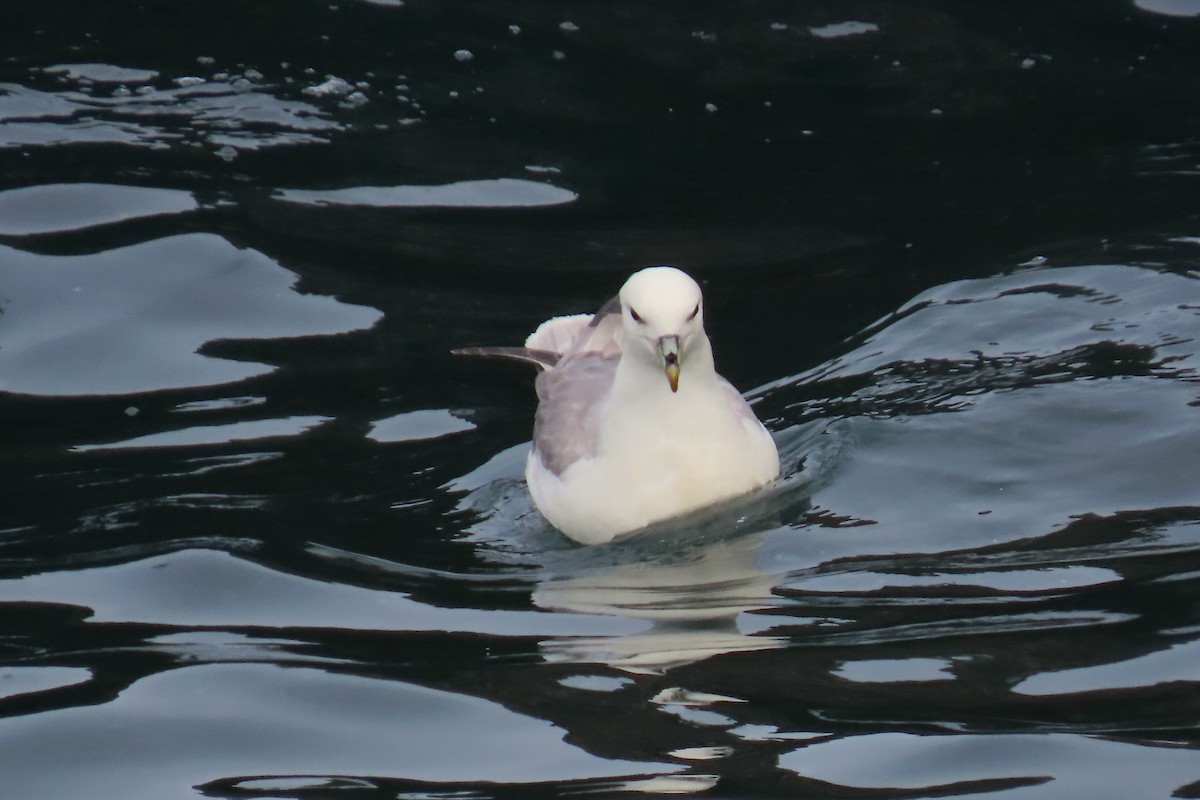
x=634 y=425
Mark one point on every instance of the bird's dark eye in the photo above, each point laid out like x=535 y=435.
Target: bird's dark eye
x=636 y=316
x=695 y=311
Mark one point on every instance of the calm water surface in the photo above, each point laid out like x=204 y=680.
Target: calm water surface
x=261 y=536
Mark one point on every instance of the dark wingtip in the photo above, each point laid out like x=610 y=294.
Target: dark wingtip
x=542 y=359
x=613 y=306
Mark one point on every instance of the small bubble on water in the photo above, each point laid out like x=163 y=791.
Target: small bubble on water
x=122 y=91
x=710 y=107
x=568 y=26
x=206 y=60
x=779 y=26
x=558 y=55
x=188 y=80
x=253 y=75
x=515 y=30
x=242 y=85
x=226 y=153
x=145 y=90
x=131 y=411
x=463 y=55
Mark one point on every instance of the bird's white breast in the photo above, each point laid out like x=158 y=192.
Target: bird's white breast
x=666 y=454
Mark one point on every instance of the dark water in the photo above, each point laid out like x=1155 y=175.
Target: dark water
x=261 y=536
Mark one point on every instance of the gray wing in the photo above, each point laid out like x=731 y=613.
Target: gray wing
x=613 y=306
x=570 y=399
x=572 y=392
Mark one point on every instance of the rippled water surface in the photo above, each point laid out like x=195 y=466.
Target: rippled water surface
x=262 y=536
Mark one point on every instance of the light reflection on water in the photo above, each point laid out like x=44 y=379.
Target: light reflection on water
x=134 y=319
x=500 y=193
x=1024 y=766
x=110 y=104
x=264 y=537
x=75 y=206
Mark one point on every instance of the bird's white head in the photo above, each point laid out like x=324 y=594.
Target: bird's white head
x=662 y=312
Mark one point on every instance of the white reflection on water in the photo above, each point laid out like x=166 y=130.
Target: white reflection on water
x=15 y=681
x=226 y=109
x=249 y=430
x=1014 y=581
x=693 y=601
x=496 y=193
x=838 y=30
x=418 y=425
x=195 y=725
x=178 y=589
x=985 y=413
x=102 y=73
x=1022 y=766
x=60 y=207
x=133 y=319
x=889 y=670
x=1033 y=312
x=1179 y=662
x=1171 y=8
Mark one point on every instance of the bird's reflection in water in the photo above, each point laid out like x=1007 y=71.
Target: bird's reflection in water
x=691 y=587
